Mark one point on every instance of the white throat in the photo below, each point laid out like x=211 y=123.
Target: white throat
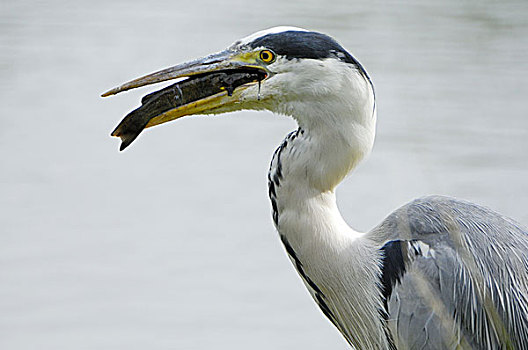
x=337 y=122
x=334 y=134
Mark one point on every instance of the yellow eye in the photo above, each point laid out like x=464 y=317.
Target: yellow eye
x=267 y=56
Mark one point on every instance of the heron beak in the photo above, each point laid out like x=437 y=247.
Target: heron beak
x=205 y=85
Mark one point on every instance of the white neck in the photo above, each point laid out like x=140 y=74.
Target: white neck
x=336 y=130
x=334 y=135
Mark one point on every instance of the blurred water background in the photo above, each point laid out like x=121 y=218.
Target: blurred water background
x=170 y=244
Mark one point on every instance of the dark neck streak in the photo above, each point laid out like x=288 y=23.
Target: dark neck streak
x=275 y=172
x=275 y=176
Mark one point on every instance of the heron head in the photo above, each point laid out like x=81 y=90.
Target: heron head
x=286 y=70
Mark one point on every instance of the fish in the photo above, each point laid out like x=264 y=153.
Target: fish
x=193 y=89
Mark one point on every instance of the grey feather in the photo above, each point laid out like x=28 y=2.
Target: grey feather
x=470 y=289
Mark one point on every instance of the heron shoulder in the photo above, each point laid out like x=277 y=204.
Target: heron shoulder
x=454 y=272
x=434 y=218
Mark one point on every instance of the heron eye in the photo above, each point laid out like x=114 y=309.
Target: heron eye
x=267 y=56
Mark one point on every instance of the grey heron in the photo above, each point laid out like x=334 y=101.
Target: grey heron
x=437 y=273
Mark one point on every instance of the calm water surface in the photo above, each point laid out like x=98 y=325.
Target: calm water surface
x=170 y=244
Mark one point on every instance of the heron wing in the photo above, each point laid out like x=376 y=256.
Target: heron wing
x=455 y=275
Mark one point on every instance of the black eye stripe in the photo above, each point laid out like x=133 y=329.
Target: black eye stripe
x=297 y=44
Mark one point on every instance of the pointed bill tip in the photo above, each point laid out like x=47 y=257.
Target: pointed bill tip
x=153 y=78
x=113 y=91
